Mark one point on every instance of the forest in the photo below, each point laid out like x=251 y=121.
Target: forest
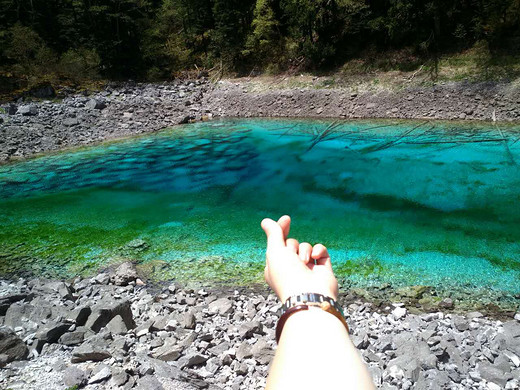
x=77 y=40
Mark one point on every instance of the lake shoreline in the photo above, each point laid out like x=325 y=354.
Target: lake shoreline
x=125 y=110
x=196 y=338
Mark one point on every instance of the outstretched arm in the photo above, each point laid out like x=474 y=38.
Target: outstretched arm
x=315 y=350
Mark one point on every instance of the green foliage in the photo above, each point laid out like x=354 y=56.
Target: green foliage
x=81 y=39
x=79 y=64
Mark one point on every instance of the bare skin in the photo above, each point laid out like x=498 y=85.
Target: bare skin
x=315 y=350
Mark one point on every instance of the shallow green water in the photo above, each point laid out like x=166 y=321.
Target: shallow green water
x=409 y=203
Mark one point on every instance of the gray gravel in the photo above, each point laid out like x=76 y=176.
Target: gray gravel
x=450 y=101
x=28 y=128
x=175 y=337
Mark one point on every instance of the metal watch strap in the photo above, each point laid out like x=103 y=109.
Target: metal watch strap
x=302 y=299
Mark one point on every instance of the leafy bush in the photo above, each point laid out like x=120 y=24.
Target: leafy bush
x=79 y=65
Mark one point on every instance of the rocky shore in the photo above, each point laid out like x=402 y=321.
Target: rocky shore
x=29 y=127
x=451 y=101
x=114 y=332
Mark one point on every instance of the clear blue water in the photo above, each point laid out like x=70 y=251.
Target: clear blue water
x=402 y=203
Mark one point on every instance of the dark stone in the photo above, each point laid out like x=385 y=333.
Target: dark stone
x=493 y=373
x=8 y=300
x=262 y=352
x=446 y=303
x=104 y=311
x=244 y=351
x=69 y=122
x=247 y=329
x=119 y=379
x=169 y=351
x=74 y=377
x=95 y=104
x=186 y=119
x=117 y=325
x=202 y=74
x=188 y=320
x=12 y=109
x=220 y=348
x=51 y=333
x=87 y=351
x=29 y=110
x=221 y=306
x=99 y=374
x=80 y=315
x=149 y=382
x=190 y=360
x=12 y=348
x=72 y=338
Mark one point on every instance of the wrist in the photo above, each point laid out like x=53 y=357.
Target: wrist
x=313 y=318
x=309 y=301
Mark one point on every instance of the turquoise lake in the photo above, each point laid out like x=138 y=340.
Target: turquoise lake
x=405 y=203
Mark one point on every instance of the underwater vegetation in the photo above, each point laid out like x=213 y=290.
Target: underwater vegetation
x=406 y=203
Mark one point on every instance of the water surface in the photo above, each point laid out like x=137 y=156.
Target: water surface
x=403 y=203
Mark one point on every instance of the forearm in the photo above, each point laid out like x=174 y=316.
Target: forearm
x=315 y=352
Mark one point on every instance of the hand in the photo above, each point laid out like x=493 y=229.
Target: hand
x=292 y=268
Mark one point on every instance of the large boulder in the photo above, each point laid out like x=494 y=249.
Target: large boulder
x=222 y=306
x=124 y=274
x=64 y=290
x=106 y=310
x=92 y=350
x=170 y=351
x=247 y=329
x=11 y=348
x=74 y=377
x=95 y=104
x=28 y=110
x=8 y=300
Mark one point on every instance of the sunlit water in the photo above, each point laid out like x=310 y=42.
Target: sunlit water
x=406 y=204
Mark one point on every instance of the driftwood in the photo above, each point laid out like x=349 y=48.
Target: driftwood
x=506 y=146
x=386 y=145
x=456 y=141
x=457 y=137
x=321 y=137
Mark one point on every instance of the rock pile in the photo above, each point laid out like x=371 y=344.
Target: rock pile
x=111 y=332
x=117 y=111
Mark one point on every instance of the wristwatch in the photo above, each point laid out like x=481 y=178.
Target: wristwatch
x=311 y=299
x=304 y=301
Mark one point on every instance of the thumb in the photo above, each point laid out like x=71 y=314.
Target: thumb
x=274 y=233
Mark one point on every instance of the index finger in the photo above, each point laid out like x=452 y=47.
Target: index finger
x=274 y=233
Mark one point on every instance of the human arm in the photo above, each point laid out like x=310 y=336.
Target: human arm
x=315 y=350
